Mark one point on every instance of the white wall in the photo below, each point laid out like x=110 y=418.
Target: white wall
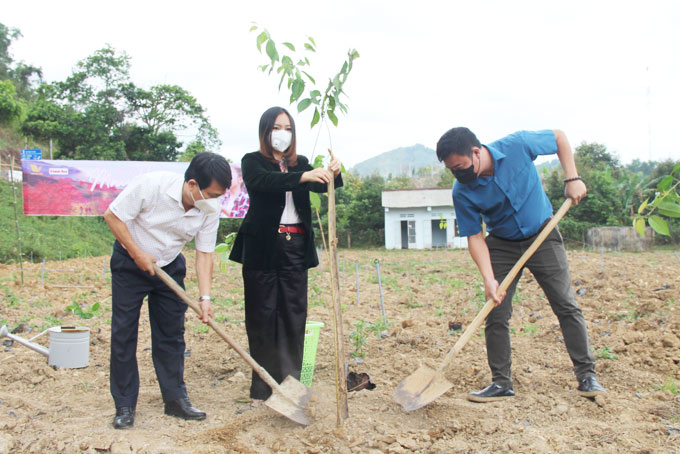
x=423 y=219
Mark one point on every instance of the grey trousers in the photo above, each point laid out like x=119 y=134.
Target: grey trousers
x=551 y=270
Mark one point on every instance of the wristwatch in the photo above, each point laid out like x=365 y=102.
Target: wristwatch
x=205 y=298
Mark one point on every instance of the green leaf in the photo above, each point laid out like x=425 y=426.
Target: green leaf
x=271 y=50
x=261 y=38
x=316 y=117
x=332 y=117
x=311 y=40
x=315 y=94
x=676 y=169
x=253 y=28
x=643 y=206
x=336 y=82
x=297 y=89
x=665 y=183
x=309 y=77
x=639 y=225
x=344 y=68
x=669 y=209
x=315 y=200
x=221 y=248
x=659 y=225
x=302 y=105
x=309 y=47
x=289 y=46
x=318 y=162
x=95 y=307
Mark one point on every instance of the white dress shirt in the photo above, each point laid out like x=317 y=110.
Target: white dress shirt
x=290 y=214
x=151 y=208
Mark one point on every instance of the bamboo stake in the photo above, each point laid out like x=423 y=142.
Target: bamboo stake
x=340 y=375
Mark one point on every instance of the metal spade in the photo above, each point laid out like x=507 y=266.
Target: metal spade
x=290 y=398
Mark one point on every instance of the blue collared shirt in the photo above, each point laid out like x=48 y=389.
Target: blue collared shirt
x=512 y=201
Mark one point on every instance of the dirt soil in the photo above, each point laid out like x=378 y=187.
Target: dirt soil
x=631 y=302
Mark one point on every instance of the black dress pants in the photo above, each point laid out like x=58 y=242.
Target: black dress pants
x=276 y=312
x=550 y=268
x=166 y=314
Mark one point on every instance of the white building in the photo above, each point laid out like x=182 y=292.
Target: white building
x=413 y=219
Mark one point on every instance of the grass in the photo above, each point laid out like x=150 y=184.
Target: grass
x=201 y=329
x=529 y=329
x=48 y=236
x=671 y=385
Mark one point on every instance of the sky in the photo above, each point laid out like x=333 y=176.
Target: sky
x=601 y=71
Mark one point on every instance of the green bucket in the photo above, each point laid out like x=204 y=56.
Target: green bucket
x=312 y=330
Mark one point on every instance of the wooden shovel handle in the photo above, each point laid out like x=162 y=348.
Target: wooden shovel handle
x=477 y=322
x=174 y=286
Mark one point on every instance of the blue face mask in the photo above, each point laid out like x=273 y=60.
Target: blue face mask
x=466 y=175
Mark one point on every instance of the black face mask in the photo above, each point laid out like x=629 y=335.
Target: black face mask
x=466 y=175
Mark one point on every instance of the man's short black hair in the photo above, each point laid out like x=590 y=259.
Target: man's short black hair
x=456 y=141
x=206 y=167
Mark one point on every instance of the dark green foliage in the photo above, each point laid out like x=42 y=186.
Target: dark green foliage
x=98 y=113
x=604 y=205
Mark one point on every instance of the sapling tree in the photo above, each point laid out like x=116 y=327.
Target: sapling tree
x=292 y=68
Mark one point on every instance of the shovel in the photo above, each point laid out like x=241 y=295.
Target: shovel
x=425 y=385
x=289 y=398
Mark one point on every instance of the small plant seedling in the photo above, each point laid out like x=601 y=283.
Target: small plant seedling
x=379 y=326
x=358 y=339
x=528 y=329
x=606 y=353
x=223 y=249
x=83 y=313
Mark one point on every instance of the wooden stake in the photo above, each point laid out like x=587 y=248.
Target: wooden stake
x=340 y=374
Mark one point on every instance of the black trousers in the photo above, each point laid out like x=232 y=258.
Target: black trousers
x=166 y=314
x=551 y=270
x=276 y=312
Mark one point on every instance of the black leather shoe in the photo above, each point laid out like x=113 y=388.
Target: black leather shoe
x=589 y=387
x=182 y=408
x=125 y=417
x=491 y=393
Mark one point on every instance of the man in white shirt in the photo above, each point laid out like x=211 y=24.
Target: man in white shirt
x=152 y=219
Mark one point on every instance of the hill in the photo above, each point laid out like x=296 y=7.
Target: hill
x=400 y=161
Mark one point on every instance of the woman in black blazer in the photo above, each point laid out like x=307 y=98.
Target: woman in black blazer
x=275 y=244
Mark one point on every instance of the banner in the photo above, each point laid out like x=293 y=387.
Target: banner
x=87 y=188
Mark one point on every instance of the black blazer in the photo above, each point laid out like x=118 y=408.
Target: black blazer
x=255 y=242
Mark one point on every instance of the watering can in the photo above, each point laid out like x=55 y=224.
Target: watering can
x=69 y=345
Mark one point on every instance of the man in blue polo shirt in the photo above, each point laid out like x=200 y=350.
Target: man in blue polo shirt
x=498 y=183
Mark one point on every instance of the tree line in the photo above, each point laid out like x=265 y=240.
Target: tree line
x=99 y=113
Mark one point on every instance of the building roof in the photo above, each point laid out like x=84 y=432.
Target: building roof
x=415 y=198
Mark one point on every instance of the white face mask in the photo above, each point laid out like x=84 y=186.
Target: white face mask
x=281 y=139
x=207 y=206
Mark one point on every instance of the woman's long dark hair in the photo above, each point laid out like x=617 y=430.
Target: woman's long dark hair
x=266 y=126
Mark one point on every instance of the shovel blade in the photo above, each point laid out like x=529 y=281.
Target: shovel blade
x=290 y=400
x=420 y=388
